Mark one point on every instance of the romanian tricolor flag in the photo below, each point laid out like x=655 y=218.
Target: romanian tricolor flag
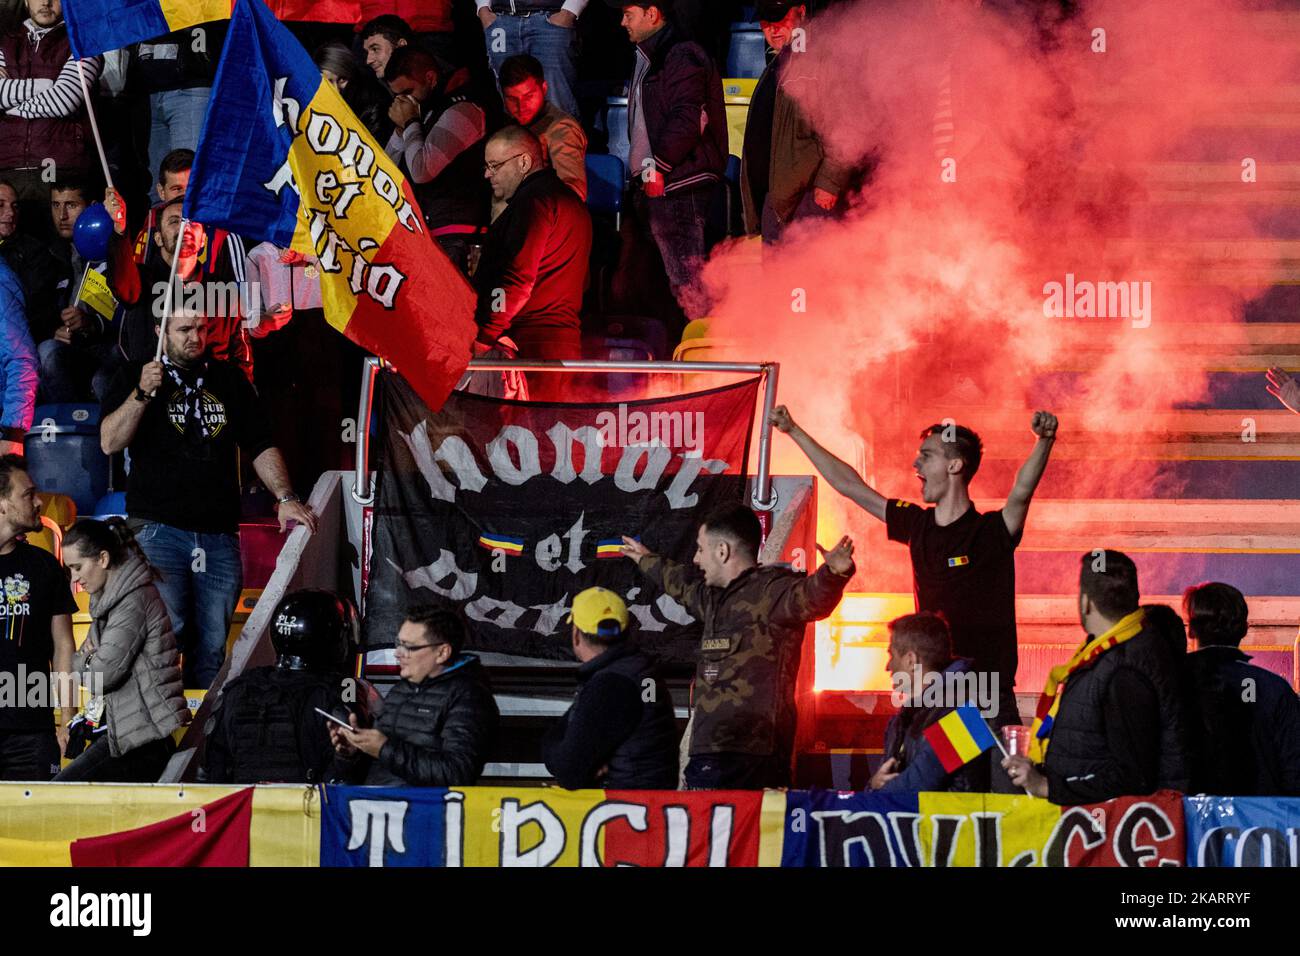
x=959 y=737
x=610 y=548
x=104 y=825
x=95 y=26
x=282 y=158
x=502 y=542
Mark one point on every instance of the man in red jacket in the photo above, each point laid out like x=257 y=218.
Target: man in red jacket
x=533 y=270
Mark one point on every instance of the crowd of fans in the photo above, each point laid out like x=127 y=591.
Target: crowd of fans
x=435 y=83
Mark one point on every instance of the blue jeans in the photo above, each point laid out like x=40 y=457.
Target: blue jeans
x=676 y=222
x=177 y=120
x=202 y=575
x=554 y=47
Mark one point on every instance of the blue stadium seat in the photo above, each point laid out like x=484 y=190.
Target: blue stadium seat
x=113 y=503
x=616 y=128
x=63 y=453
x=732 y=172
x=606 y=180
x=747 y=54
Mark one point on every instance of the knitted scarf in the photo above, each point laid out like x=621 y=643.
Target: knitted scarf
x=1049 y=702
x=192 y=398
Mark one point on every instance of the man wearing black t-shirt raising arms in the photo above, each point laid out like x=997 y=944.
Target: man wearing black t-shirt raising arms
x=963 y=562
x=36 y=609
x=185 y=420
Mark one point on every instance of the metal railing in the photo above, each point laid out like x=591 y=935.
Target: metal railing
x=763 y=498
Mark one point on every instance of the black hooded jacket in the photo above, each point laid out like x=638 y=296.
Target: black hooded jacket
x=621 y=723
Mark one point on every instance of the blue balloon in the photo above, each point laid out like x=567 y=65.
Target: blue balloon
x=91 y=233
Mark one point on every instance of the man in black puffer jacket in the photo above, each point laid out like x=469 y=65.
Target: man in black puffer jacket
x=620 y=732
x=1111 y=721
x=437 y=723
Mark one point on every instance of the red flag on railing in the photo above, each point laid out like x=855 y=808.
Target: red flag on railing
x=215 y=834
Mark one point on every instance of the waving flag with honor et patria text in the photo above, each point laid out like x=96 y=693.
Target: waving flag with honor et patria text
x=283 y=159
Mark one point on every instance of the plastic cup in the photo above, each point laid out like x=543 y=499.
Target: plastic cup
x=1016 y=738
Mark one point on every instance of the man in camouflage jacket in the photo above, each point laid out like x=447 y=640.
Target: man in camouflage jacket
x=754 y=619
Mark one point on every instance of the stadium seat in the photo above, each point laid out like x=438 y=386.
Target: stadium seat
x=616 y=127
x=113 y=503
x=63 y=453
x=696 y=329
x=57 y=514
x=747 y=55
x=696 y=343
x=606 y=180
x=697 y=350
x=640 y=330
x=621 y=384
x=736 y=94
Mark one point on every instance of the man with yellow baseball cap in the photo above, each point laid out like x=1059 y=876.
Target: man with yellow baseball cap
x=620 y=732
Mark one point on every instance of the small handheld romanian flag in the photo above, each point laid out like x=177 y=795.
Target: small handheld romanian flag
x=283 y=159
x=95 y=26
x=960 y=737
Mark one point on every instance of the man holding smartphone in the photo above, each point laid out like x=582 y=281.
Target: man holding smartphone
x=437 y=723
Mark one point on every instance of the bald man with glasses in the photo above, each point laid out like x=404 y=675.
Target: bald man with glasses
x=438 y=722
x=533 y=272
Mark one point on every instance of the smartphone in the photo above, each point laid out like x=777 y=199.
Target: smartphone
x=330 y=717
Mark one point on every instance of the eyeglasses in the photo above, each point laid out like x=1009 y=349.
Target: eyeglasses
x=491 y=168
x=404 y=650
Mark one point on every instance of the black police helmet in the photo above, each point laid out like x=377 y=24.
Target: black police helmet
x=315 y=629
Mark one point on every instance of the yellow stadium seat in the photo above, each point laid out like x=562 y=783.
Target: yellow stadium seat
x=247 y=600
x=81 y=617
x=58 y=512
x=696 y=329
x=736 y=94
x=697 y=350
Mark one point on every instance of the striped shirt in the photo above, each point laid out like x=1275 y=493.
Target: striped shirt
x=459 y=127
x=42 y=98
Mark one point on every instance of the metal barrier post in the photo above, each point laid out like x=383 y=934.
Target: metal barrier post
x=361 y=492
x=764 y=498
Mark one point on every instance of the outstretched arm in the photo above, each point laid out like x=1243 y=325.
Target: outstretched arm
x=1017 y=506
x=1284 y=388
x=669 y=576
x=839 y=473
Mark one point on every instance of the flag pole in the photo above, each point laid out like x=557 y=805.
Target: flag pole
x=171 y=286
x=94 y=126
x=81 y=285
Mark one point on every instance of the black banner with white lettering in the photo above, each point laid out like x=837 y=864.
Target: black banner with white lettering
x=509 y=509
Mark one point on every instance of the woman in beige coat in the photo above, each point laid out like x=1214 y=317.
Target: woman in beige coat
x=128 y=662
